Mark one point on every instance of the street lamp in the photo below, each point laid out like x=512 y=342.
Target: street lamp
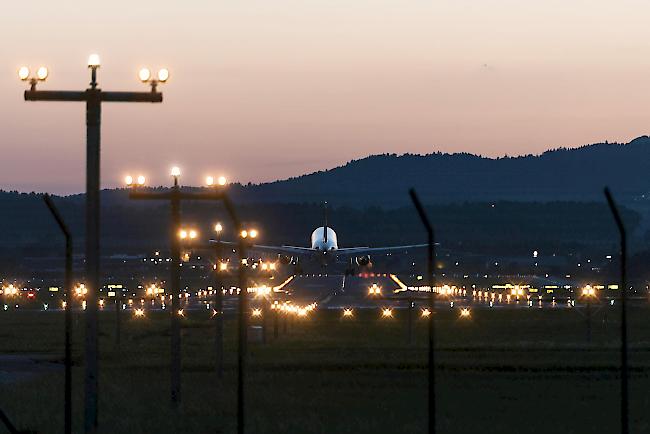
x=93 y=97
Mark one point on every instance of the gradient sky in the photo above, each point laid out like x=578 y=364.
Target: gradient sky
x=262 y=90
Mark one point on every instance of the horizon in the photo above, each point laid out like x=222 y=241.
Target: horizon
x=487 y=78
x=200 y=184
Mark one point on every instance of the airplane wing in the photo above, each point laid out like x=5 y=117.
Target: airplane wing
x=277 y=249
x=357 y=250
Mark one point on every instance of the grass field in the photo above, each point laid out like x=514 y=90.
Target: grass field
x=502 y=371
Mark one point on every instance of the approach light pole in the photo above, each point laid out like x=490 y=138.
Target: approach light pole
x=93 y=97
x=175 y=196
x=218 y=302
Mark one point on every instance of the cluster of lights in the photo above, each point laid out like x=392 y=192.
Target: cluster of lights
x=301 y=311
x=270 y=266
x=260 y=290
x=131 y=182
x=94 y=63
x=374 y=289
x=387 y=312
x=145 y=76
x=80 y=290
x=588 y=291
x=220 y=181
x=25 y=74
x=249 y=233
x=10 y=290
x=154 y=290
x=184 y=234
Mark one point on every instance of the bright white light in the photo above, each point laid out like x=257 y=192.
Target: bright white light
x=23 y=73
x=253 y=233
x=218 y=227
x=176 y=171
x=209 y=181
x=244 y=233
x=144 y=75
x=182 y=234
x=193 y=234
x=222 y=180
x=93 y=61
x=42 y=73
x=163 y=75
x=128 y=180
x=141 y=180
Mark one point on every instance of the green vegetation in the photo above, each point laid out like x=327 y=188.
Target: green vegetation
x=523 y=370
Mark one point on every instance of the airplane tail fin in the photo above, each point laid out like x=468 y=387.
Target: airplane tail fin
x=325 y=222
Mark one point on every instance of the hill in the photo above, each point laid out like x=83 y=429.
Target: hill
x=560 y=174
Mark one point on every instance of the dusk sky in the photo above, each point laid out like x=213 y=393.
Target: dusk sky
x=263 y=90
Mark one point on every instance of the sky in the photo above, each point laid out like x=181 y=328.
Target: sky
x=263 y=90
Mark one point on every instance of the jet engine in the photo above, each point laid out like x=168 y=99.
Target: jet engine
x=285 y=260
x=363 y=261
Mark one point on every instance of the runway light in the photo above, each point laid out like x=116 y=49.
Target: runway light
x=163 y=75
x=180 y=312
x=176 y=171
x=425 y=313
x=42 y=73
x=465 y=313
x=257 y=312
x=141 y=180
x=23 y=73
x=387 y=312
x=93 y=61
x=222 y=180
x=138 y=312
x=128 y=180
x=144 y=75
x=347 y=312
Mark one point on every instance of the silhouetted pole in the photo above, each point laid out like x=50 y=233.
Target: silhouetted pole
x=218 y=307
x=276 y=320
x=410 y=320
x=624 y=369
x=118 y=319
x=10 y=426
x=175 y=196
x=67 y=284
x=431 y=258
x=243 y=338
x=93 y=97
x=175 y=283
x=589 y=319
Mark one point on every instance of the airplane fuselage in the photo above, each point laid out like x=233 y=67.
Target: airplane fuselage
x=323 y=244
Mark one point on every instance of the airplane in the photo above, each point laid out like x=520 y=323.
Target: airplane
x=325 y=249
